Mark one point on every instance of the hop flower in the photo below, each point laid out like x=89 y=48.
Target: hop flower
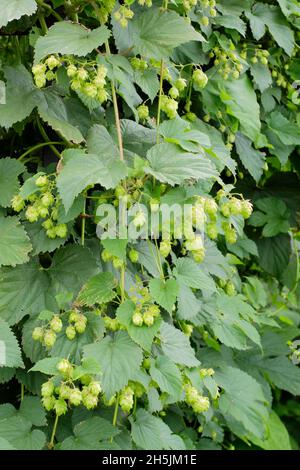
x=32 y=214
x=165 y=248
x=47 y=199
x=194 y=244
x=126 y=399
x=60 y=407
x=235 y=206
x=64 y=392
x=56 y=324
x=38 y=334
x=174 y=92
x=212 y=231
x=139 y=219
x=49 y=338
x=94 y=388
x=43 y=211
x=180 y=84
x=230 y=289
x=39 y=69
x=225 y=209
x=75 y=397
x=41 y=181
x=133 y=256
x=48 y=403
x=89 y=401
x=82 y=74
x=201 y=404
x=200 y=78
x=204 y=21
x=71 y=71
x=52 y=62
x=143 y=112
x=61 y=230
x=65 y=368
x=137 y=318
x=70 y=332
x=148 y=318
x=17 y=203
x=247 y=209
x=80 y=325
x=230 y=235
x=51 y=233
x=210 y=206
x=47 y=389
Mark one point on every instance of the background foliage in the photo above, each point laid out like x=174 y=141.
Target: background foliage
x=125 y=344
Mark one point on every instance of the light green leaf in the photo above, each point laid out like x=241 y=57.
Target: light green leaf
x=10 y=355
x=151 y=433
x=70 y=38
x=98 y=290
x=14 y=242
x=253 y=160
x=288 y=132
x=148 y=82
x=167 y=375
x=119 y=358
x=40 y=242
x=9 y=185
x=142 y=335
x=155 y=33
x=116 y=246
x=47 y=366
x=82 y=170
x=17 y=431
x=171 y=165
x=274 y=253
x=5 y=445
x=274 y=216
x=277 y=435
x=164 y=292
x=189 y=273
x=24 y=290
x=15 y=9
x=243 y=400
x=188 y=304
x=282 y=373
x=176 y=346
x=99 y=141
x=261 y=75
x=31 y=408
x=89 y=433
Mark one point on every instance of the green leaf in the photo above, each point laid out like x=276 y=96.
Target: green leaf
x=188 y=304
x=155 y=33
x=98 y=290
x=6 y=374
x=88 y=366
x=14 y=242
x=40 y=242
x=46 y=366
x=287 y=131
x=274 y=253
x=167 y=375
x=89 y=433
x=171 y=165
x=21 y=96
x=242 y=103
x=5 y=445
x=282 y=373
x=178 y=131
x=148 y=82
x=82 y=170
x=116 y=246
x=142 y=335
x=9 y=185
x=69 y=38
x=164 y=292
x=119 y=358
x=243 y=400
x=17 y=431
x=32 y=409
x=274 y=216
x=15 y=9
x=99 y=141
x=253 y=160
x=176 y=346
x=268 y=15
x=10 y=354
x=190 y=274
x=151 y=433
x=277 y=435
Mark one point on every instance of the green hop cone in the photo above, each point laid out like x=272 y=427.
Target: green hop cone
x=47 y=389
x=143 y=112
x=17 y=203
x=94 y=388
x=47 y=199
x=61 y=230
x=43 y=212
x=74 y=316
x=49 y=338
x=235 y=206
x=75 y=397
x=230 y=289
x=65 y=368
x=126 y=399
x=225 y=209
x=47 y=224
x=137 y=318
x=38 y=334
x=201 y=404
x=146 y=363
x=52 y=62
x=133 y=256
x=231 y=235
x=70 y=332
x=165 y=248
x=32 y=214
x=247 y=209
x=80 y=326
x=210 y=206
x=212 y=231
x=89 y=401
x=174 y=92
x=148 y=318
x=60 y=407
x=64 y=391
x=56 y=324
x=180 y=84
x=41 y=181
x=51 y=233
x=48 y=403
x=200 y=78
x=71 y=71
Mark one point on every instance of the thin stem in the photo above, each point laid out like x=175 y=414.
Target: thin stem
x=115 y=417
x=36 y=147
x=22 y=392
x=83 y=222
x=48 y=7
x=159 y=100
x=159 y=260
x=51 y=444
x=46 y=138
x=43 y=24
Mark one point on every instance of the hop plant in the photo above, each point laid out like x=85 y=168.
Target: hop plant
x=65 y=368
x=200 y=78
x=126 y=399
x=143 y=112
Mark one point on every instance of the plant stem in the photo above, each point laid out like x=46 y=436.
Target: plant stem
x=51 y=444
x=43 y=24
x=159 y=100
x=48 y=7
x=116 y=410
x=46 y=138
x=83 y=222
x=36 y=147
x=22 y=392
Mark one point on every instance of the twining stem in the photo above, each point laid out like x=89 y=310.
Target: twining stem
x=116 y=410
x=83 y=222
x=43 y=24
x=38 y=146
x=46 y=138
x=159 y=99
x=51 y=444
x=22 y=392
x=48 y=7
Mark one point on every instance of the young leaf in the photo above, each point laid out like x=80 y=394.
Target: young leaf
x=164 y=292
x=98 y=290
x=176 y=346
x=15 y=9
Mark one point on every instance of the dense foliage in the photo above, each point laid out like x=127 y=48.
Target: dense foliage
x=139 y=342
